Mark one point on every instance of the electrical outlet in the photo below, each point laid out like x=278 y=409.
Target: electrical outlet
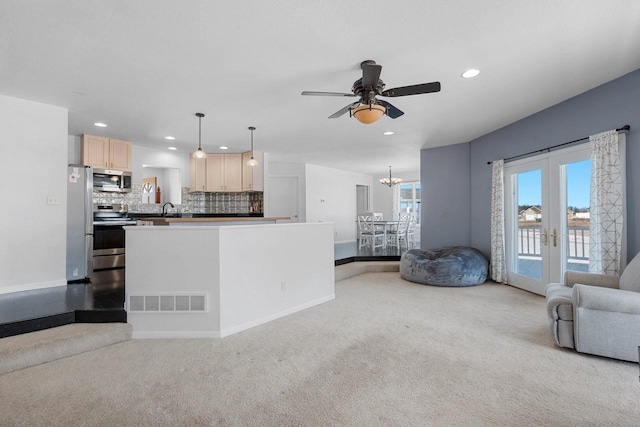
x=52 y=201
x=283 y=286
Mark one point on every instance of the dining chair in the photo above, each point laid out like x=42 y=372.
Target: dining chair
x=394 y=237
x=368 y=233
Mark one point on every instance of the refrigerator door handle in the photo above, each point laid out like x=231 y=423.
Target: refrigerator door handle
x=89 y=254
x=88 y=207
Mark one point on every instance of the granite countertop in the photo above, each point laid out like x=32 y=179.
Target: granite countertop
x=144 y=215
x=169 y=219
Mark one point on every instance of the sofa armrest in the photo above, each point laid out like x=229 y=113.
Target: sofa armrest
x=604 y=299
x=600 y=280
x=606 y=322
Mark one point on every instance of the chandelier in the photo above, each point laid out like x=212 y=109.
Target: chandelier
x=390 y=182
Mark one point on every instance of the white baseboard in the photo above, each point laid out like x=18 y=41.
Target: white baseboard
x=174 y=334
x=32 y=286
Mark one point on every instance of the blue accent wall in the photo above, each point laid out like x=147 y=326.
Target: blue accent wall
x=445 y=196
x=605 y=107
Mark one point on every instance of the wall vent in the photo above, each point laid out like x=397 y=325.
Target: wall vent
x=168 y=303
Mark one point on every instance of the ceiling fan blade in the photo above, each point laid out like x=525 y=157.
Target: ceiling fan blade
x=312 y=93
x=392 y=111
x=344 y=110
x=413 y=90
x=370 y=75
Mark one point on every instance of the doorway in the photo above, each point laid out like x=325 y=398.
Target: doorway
x=547 y=217
x=283 y=197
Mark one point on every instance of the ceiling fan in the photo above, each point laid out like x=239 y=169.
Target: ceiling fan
x=368 y=109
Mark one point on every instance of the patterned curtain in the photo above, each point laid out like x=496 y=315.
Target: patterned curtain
x=498 y=262
x=605 y=240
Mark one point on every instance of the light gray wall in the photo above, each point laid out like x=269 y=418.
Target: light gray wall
x=445 y=187
x=33 y=170
x=608 y=106
x=331 y=197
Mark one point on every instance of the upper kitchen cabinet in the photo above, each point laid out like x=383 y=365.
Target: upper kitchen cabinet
x=253 y=176
x=198 y=175
x=106 y=153
x=224 y=172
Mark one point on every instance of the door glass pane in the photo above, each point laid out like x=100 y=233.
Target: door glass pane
x=577 y=215
x=529 y=204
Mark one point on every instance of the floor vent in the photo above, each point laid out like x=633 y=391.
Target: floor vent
x=155 y=303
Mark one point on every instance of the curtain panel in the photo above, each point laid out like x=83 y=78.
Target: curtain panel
x=606 y=210
x=498 y=261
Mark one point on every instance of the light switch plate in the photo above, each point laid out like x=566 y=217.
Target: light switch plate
x=52 y=201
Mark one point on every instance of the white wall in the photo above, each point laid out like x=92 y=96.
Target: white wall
x=158 y=158
x=33 y=168
x=331 y=197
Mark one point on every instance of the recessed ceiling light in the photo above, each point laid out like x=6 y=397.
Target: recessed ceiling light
x=470 y=73
x=389 y=132
x=172 y=148
x=170 y=138
x=100 y=124
x=224 y=147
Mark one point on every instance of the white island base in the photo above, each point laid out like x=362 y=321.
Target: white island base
x=210 y=281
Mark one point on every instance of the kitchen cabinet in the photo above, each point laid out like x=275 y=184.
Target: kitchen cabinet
x=198 y=174
x=106 y=153
x=224 y=172
x=253 y=176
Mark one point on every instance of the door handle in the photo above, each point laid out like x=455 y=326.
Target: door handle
x=545 y=236
x=555 y=237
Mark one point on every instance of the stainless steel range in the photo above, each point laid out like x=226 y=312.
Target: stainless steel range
x=109 y=243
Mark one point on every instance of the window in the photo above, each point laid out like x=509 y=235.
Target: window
x=410 y=198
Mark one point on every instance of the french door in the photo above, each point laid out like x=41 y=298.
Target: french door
x=547 y=217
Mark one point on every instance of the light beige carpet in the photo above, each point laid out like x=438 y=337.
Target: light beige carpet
x=386 y=352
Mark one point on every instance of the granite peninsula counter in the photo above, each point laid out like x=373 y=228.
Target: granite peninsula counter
x=227 y=220
x=213 y=281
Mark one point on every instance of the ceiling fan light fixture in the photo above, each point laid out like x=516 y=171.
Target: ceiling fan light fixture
x=369 y=113
x=199 y=153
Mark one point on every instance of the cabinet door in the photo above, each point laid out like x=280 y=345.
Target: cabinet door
x=233 y=172
x=215 y=172
x=253 y=176
x=197 y=177
x=95 y=151
x=119 y=154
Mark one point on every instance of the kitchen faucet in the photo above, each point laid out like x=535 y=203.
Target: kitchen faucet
x=164 y=212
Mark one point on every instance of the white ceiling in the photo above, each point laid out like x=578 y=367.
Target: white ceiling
x=145 y=67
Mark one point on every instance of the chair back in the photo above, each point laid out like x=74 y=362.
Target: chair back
x=403 y=222
x=413 y=219
x=365 y=223
x=377 y=216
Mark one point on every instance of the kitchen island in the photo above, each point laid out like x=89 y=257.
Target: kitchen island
x=213 y=281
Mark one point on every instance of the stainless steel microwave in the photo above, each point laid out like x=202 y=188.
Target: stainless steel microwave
x=111 y=180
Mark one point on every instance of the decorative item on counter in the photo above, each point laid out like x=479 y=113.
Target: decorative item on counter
x=158 y=195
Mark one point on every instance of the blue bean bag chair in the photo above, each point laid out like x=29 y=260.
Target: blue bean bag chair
x=446 y=266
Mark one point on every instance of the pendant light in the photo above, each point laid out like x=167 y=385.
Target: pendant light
x=199 y=154
x=252 y=161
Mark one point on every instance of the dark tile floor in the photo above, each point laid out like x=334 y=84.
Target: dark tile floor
x=28 y=311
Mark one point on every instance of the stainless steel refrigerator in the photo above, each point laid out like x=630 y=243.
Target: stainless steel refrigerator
x=79 y=223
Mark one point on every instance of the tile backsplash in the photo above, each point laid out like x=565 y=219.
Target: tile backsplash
x=191 y=202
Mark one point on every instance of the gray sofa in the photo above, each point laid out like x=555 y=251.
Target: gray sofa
x=597 y=314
